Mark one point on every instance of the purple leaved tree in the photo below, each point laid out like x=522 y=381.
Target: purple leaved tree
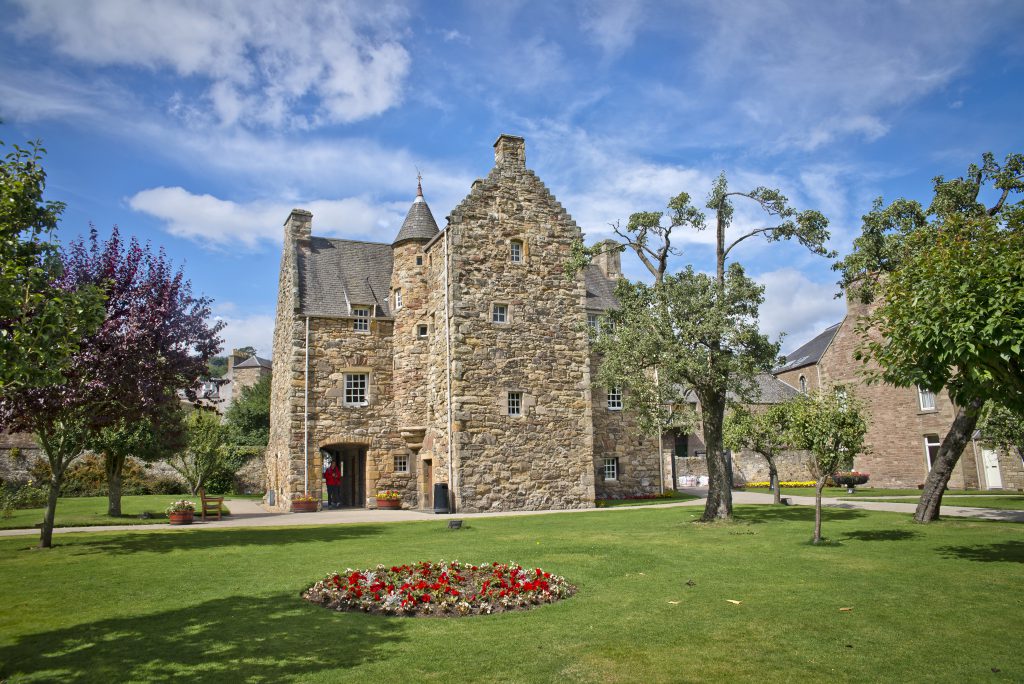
x=156 y=337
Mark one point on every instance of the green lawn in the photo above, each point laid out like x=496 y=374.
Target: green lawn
x=865 y=492
x=1007 y=503
x=670 y=497
x=82 y=511
x=223 y=605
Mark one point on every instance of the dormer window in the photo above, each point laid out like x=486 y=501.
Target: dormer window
x=361 y=319
x=398 y=300
x=515 y=251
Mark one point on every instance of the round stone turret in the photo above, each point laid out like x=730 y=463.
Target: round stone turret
x=419 y=223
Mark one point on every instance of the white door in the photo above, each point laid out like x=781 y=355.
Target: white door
x=990 y=462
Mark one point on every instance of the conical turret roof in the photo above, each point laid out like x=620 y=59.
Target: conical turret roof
x=419 y=223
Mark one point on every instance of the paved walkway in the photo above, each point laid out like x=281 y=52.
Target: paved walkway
x=250 y=513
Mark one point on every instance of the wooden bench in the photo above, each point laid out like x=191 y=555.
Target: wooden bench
x=210 y=504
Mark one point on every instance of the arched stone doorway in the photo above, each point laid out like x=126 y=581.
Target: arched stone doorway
x=352 y=459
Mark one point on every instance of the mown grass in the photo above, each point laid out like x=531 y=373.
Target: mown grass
x=1004 y=502
x=864 y=492
x=668 y=497
x=929 y=603
x=89 y=511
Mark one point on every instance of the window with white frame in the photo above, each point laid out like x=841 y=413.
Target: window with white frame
x=355 y=389
x=614 y=398
x=398 y=300
x=515 y=403
x=611 y=468
x=421 y=331
x=593 y=322
x=931 y=449
x=515 y=251
x=499 y=313
x=401 y=463
x=360 y=319
x=926 y=399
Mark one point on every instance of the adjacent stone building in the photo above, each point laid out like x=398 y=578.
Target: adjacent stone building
x=458 y=356
x=905 y=424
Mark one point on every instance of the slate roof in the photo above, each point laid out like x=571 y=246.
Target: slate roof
x=419 y=223
x=254 y=362
x=811 y=352
x=600 y=290
x=769 y=390
x=336 y=274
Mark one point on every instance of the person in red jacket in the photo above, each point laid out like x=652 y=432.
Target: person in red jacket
x=333 y=477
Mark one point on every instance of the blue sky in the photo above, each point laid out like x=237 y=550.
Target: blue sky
x=199 y=125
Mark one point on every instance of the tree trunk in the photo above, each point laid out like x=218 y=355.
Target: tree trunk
x=719 y=503
x=115 y=468
x=949 y=454
x=49 y=516
x=773 y=478
x=817 y=509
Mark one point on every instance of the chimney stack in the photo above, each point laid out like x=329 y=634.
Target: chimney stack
x=609 y=260
x=299 y=225
x=510 y=149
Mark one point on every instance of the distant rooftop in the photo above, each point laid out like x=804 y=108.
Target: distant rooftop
x=254 y=362
x=811 y=352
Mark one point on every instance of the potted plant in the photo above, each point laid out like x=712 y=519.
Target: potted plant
x=181 y=512
x=305 y=503
x=389 y=498
x=850 y=480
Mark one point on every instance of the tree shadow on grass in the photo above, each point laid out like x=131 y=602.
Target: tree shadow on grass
x=881 y=535
x=252 y=639
x=772 y=513
x=1004 y=552
x=165 y=542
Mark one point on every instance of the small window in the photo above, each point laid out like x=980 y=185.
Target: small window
x=803 y=384
x=611 y=469
x=614 y=399
x=926 y=398
x=593 y=322
x=515 y=251
x=402 y=463
x=355 y=389
x=931 y=448
x=398 y=300
x=361 y=322
x=421 y=331
x=419 y=260
x=515 y=403
x=499 y=314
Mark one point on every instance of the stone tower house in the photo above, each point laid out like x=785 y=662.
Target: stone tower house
x=458 y=356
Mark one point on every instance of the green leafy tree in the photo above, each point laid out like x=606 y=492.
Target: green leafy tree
x=205 y=452
x=151 y=437
x=831 y=426
x=248 y=418
x=948 y=284
x=1003 y=428
x=695 y=332
x=41 y=322
x=765 y=432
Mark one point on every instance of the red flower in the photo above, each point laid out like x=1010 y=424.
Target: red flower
x=426 y=598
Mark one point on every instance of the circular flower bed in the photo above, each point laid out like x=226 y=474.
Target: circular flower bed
x=439 y=589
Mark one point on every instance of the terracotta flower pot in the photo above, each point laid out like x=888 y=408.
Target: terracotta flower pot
x=392 y=504
x=304 y=506
x=180 y=518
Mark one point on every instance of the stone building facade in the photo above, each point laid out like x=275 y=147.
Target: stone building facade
x=458 y=356
x=905 y=424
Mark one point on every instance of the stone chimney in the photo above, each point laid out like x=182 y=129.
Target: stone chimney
x=609 y=260
x=235 y=357
x=510 y=149
x=299 y=225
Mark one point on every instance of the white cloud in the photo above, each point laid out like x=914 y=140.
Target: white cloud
x=797 y=306
x=256 y=331
x=260 y=59
x=217 y=223
x=612 y=24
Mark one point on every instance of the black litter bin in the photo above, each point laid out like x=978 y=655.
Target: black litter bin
x=441 y=497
